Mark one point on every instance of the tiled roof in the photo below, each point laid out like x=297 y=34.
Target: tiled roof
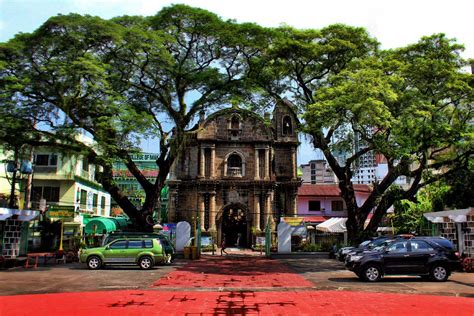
x=328 y=189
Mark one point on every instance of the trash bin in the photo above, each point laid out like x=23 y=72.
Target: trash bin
x=187 y=252
x=194 y=253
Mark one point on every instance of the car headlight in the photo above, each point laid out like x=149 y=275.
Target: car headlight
x=346 y=251
x=355 y=258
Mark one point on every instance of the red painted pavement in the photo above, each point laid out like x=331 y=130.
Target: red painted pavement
x=233 y=303
x=233 y=272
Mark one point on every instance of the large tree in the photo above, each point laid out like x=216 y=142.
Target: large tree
x=412 y=105
x=129 y=78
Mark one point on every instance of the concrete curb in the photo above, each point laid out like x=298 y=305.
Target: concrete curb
x=295 y=255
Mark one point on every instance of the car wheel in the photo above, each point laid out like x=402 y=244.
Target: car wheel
x=372 y=273
x=439 y=273
x=94 y=262
x=145 y=263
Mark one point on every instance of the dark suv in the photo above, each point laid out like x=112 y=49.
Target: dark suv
x=432 y=257
x=366 y=245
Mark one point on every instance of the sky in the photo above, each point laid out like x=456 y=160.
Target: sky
x=392 y=23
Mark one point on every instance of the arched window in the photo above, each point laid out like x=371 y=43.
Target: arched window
x=287 y=126
x=235 y=122
x=234 y=166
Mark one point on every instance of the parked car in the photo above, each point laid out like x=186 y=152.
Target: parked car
x=432 y=257
x=368 y=244
x=145 y=252
x=165 y=242
x=380 y=244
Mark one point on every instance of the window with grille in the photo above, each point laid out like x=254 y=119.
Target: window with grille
x=50 y=194
x=337 y=206
x=83 y=199
x=102 y=204
x=46 y=160
x=314 y=205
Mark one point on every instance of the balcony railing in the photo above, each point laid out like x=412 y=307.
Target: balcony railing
x=234 y=172
x=46 y=169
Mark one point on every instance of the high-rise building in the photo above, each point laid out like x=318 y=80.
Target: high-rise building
x=317 y=171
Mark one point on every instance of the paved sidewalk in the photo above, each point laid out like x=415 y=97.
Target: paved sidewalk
x=233 y=272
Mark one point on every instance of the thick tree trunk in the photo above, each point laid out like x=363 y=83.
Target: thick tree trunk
x=352 y=225
x=127 y=206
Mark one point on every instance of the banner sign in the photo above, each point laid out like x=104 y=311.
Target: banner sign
x=293 y=221
x=59 y=211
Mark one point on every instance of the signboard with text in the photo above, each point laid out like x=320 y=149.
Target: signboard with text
x=59 y=211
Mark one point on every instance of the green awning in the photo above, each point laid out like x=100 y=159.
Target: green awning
x=97 y=225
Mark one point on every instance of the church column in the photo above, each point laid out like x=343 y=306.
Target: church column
x=267 y=210
x=256 y=211
x=173 y=170
x=213 y=161
x=202 y=210
x=294 y=204
x=171 y=206
x=272 y=219
x=267 y=163
x=257 y=167
x=202 y=163
x=293 y=162
x=212 y=212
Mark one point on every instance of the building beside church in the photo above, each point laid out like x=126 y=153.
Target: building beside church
x=237 y=174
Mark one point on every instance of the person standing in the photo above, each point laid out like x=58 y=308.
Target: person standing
x=238 y=240
x=223 y=246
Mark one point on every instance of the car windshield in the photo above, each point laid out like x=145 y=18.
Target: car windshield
x=377 y=242
x=365 y=243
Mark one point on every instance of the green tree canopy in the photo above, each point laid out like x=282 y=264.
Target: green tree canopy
x=124 y=79
x=412 y=106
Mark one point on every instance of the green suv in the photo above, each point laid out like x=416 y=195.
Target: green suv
x=146 y=252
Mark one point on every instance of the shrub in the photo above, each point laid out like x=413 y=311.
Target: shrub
x=307 y=247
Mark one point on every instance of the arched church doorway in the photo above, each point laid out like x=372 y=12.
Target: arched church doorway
x=234 y=226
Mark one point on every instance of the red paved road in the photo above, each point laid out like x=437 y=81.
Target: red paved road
x=233 y=303
x=234 y=272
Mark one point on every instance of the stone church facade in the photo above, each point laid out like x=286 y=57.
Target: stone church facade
x=238 y=174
